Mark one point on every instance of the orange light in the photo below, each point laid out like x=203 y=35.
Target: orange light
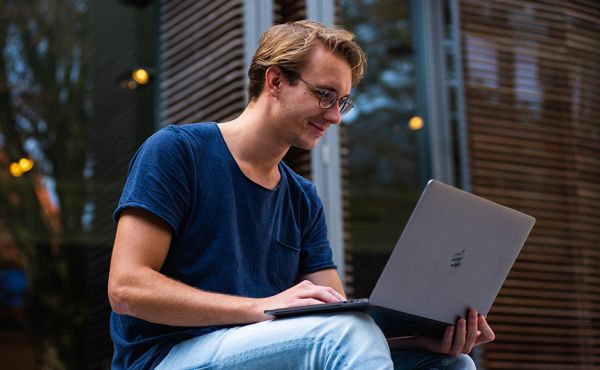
x=15 y=170
x=141 y=76
x=25 y=164
x=416 y=123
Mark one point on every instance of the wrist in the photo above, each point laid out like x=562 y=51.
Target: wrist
x=256 y=308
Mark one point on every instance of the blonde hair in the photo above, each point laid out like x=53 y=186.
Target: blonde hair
x=289 y=45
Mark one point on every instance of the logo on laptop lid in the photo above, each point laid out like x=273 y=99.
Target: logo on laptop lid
x=457 y=258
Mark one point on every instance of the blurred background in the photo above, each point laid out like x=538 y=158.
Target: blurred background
x=498 y=97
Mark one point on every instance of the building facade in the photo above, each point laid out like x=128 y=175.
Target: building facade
x=498 y=97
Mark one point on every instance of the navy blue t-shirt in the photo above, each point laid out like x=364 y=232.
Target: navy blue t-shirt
x=230 y=235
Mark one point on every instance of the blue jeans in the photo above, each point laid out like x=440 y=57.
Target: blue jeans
x=348 y=340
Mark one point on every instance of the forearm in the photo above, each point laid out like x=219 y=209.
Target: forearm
x=153 y=297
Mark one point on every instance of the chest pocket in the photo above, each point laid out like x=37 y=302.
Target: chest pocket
x=285 y=260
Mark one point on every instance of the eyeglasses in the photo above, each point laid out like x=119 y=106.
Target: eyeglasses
x=328 y=98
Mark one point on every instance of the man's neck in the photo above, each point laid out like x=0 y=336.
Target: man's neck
x=255 y=145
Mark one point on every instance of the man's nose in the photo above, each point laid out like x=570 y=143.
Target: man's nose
x=332 y=114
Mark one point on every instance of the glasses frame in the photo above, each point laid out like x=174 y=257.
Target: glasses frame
x=345 y=104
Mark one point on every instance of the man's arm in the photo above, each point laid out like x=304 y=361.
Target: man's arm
x=137 y=288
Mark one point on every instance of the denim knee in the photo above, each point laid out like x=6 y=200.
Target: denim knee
x=354 y=324
x=461 y=362
x=357 y=342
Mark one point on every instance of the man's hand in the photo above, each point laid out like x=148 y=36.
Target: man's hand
x=459 y=338
x=302 y=294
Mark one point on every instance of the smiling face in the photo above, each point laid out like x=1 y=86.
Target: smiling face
x=302 y=121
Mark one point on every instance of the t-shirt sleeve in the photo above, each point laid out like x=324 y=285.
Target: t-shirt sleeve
x=158 y=180
x=316 y=252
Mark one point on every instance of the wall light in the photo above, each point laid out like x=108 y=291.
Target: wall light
x=26 y=164
x=18 y=169
x=135 y=77
x=141 y=76
x=415 y=123
x=15 y=170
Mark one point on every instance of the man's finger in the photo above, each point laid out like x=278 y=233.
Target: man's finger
x=487 y=334
x=459 y=337
x=446 y=343
x=471 y=332
x=305 y=302
x=308 y=289
x=330 y=296
x=336 y=294
x=321 y=293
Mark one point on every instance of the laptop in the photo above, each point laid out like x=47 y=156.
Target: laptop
x=454 y=254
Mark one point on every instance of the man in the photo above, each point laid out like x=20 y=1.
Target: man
x=213 y=229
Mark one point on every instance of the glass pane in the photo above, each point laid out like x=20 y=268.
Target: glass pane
x=386 y=164
x=71 y=115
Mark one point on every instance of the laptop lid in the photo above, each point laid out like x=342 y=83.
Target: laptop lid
x=454 y=254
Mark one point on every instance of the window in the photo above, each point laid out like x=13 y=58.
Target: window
x=387 y=163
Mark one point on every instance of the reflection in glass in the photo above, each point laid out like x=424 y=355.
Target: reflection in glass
x=67 y=132
x=43 y=89
x=384 y=170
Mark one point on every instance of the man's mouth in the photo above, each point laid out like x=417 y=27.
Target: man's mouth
x=317 y=127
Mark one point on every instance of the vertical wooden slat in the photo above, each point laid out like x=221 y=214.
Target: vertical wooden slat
x=289 y=10
x=202 y=59
x=532 y=73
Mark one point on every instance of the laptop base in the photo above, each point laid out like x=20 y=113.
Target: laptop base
x=392 y=323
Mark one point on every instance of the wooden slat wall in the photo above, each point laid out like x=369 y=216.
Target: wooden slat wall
x=532 y=80
x=289 y=10
x=202 y=60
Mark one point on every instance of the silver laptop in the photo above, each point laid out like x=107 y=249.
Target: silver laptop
x=454 y=254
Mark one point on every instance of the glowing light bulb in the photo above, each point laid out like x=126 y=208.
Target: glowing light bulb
x=141 y=76
x=25 y=164
x=15 y=170
x=416 y=123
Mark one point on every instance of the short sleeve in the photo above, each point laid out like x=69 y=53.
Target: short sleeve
x=158 y=180
x=316 y=252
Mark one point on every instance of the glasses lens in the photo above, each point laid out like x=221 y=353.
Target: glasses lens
x=345 y=106
x=328 y=99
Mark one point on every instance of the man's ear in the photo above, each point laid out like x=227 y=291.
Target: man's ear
x=273 y=80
